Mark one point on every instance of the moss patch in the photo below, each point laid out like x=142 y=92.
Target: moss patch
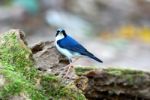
x=21 y=76
x=83 y=70
x=131 y=76
x=120 y=72
x=128 y=76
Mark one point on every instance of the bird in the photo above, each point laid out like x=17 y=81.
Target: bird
x=71 y=48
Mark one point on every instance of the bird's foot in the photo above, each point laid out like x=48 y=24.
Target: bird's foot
x=68 y=67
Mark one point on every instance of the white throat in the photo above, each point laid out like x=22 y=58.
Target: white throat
x=59 y=37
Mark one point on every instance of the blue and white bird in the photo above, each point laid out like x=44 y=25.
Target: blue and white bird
x=70 y=47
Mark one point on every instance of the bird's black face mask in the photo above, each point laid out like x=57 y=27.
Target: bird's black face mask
x=61 y=32
x=57 y=33
x=64 y=33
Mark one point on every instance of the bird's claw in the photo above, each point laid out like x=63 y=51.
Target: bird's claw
x=68 y=67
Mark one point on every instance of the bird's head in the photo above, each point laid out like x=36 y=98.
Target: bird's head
x=61 y=32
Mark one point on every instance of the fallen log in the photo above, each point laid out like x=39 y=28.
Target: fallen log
x=114 y=84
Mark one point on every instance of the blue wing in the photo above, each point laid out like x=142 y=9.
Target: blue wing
x=72 y=45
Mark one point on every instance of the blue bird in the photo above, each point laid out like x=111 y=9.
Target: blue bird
x=70 y=47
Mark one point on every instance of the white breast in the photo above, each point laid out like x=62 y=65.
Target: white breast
x=65 y=52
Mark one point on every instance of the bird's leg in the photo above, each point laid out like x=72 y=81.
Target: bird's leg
x=70 y=66
x=75 y=60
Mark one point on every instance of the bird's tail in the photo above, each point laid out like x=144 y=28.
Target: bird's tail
x=93 y=57
x=97 y=59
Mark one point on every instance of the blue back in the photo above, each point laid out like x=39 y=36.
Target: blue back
x=72 y=45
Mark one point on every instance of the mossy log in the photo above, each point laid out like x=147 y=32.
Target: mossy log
x=114 y=84
x=37 y=73
x=20 y=78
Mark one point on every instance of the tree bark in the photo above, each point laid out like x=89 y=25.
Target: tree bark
x=115 y=84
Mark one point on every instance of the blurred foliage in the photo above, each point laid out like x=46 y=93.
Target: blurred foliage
x=31 y=6
x=130 y=32
x=127 y=32
x=144 y=34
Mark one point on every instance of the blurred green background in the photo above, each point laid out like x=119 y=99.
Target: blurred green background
x=117 y=31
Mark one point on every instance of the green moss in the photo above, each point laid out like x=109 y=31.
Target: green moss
x=59 y=91
x=72 y=93
x=83 y=70
x=18 y=67
x=120 y=72
x=131 y=76
x=22 y=77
